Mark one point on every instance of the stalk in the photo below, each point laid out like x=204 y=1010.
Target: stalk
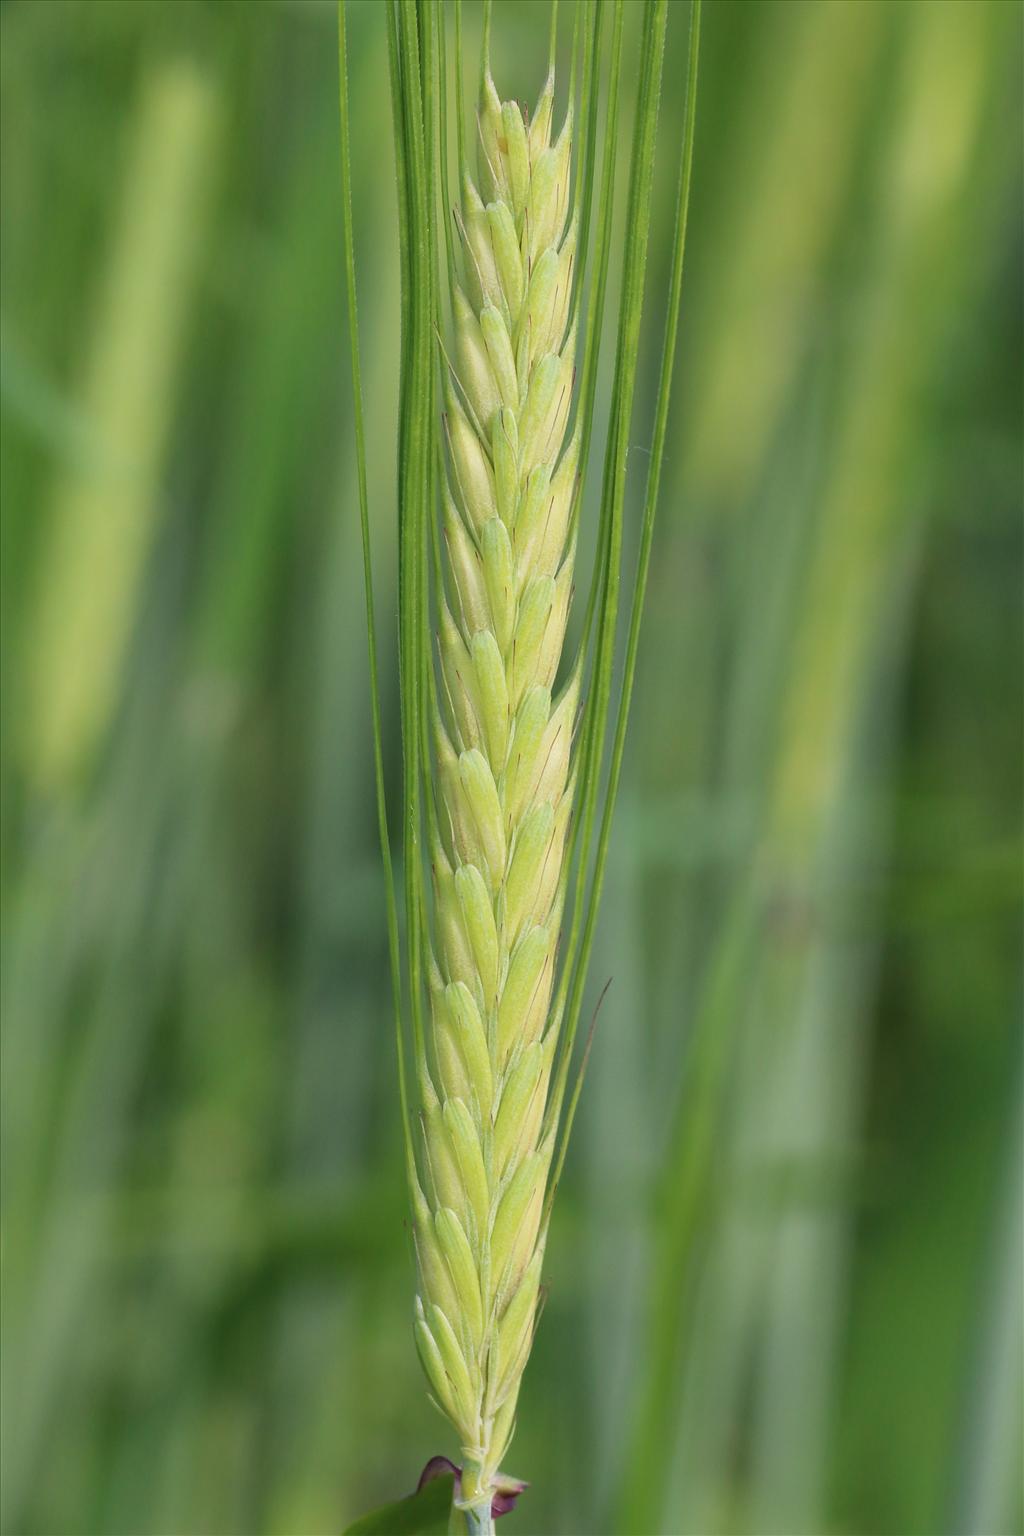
x=480 y=1521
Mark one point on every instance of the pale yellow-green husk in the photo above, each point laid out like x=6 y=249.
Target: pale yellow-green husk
x=503 y=782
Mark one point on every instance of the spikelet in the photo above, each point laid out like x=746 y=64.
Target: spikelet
x=502 y=758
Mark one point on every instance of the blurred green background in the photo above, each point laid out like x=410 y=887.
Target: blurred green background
x=785 y=1269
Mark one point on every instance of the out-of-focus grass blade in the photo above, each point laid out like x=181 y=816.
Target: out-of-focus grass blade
x=103 y=519
x=759 y=310
x=988 y=1492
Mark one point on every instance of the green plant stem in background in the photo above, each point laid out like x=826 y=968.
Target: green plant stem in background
x=105 y=517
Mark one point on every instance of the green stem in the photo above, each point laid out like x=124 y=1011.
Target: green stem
x=476 y=1491
x=479 y=1520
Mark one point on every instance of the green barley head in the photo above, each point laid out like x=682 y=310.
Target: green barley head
x=502 y=737
x=485 y=1147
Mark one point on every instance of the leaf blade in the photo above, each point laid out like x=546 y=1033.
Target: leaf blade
x=424 y=1513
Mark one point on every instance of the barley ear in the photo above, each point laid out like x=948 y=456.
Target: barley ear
x=502 y=759
x=497 y=732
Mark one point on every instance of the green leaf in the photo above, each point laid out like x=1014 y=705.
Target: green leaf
x=422 y=1514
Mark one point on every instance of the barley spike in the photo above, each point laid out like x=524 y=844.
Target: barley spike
x=504 y=780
